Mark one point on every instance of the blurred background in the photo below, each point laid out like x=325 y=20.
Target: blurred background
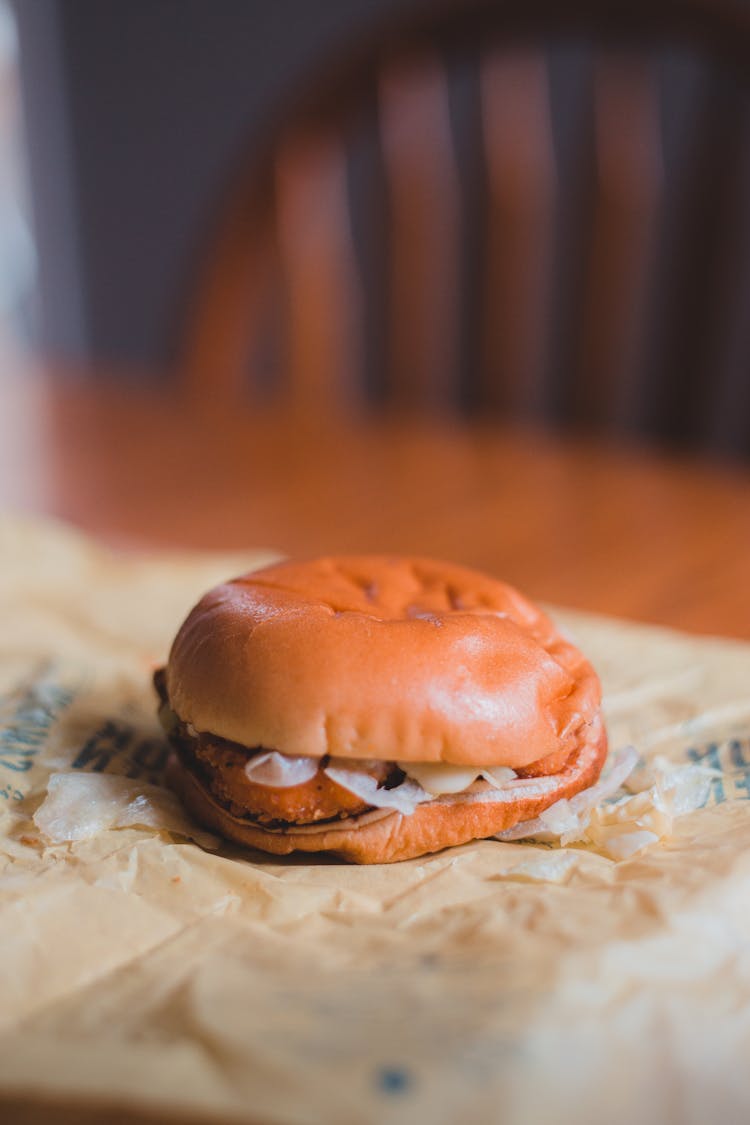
x=498 y=209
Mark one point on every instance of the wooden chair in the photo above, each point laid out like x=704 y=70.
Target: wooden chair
x=536 y=208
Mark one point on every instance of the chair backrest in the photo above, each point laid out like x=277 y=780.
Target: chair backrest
x=536 y=208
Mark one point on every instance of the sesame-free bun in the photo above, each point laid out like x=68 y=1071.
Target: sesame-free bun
x=375 y=657
x=385 y=836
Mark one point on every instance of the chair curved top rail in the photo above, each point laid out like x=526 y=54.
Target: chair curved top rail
x=239 y=251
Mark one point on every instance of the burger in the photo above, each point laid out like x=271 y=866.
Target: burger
x=376 y=708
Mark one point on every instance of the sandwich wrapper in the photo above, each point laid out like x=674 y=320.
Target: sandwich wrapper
x=149 y=968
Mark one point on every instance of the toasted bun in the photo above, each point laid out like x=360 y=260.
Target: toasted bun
x=382 y=836
x=378 y=657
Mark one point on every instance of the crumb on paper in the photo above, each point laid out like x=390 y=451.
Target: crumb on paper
x=81 y=805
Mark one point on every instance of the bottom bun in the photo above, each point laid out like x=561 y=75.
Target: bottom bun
x=386 y=836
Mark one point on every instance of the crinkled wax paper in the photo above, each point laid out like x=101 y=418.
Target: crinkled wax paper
x=147 y=966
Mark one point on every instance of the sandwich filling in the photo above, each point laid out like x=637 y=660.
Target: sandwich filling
x=277 y=791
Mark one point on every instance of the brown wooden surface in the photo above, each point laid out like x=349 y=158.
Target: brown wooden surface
x=614 y=530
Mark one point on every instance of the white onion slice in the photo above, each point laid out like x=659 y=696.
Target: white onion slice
x=280 y=771
x=624 y=762
x=404 y=798
x=569 y=816
x=498 y=776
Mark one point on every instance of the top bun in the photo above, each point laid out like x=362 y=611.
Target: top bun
x=401 y=659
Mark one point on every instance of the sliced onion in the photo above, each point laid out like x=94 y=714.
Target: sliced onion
x=562 y=820
x=404 y=798
x=568 y=817
x=498 y=776
x=623 y=763
x=280 y=771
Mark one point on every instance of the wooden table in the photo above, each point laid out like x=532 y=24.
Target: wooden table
x=664 y=539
